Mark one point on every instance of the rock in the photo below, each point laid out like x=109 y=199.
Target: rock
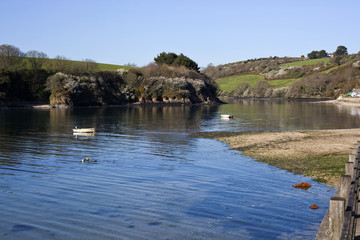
x=110 y=88
x=356 y=64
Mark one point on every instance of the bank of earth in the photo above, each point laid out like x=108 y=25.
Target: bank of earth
x=319 y=154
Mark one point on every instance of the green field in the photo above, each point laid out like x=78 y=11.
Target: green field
x=306 y=62
x=228 y=84
x=110 y=67
x=48 y=65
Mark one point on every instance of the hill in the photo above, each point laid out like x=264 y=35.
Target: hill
x=53 y=64
x=287 y=77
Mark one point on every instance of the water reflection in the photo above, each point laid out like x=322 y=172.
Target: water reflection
x=288 y=114
x=151 y=176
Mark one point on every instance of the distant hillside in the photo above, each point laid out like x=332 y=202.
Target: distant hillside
x=287 y=77
x=50 y=64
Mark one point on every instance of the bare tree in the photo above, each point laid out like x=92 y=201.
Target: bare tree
x=36 y=60
x=91 y=65
x=10 y=57
x=130 y=64
x=61 y=64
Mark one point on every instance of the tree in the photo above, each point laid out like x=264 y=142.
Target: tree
x=317 y=54
x=338 y=60
x=10 y=57
x=129 y=64
x=91 y=65
x=36 y=60
x=322 y=54
x=176 y=60
x=166 y=58
x=36 y=81
x=183 y=60
x=312 y=55
x=340 y=51
x=61 y=64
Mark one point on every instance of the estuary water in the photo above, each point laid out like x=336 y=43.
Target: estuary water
x=148 y=177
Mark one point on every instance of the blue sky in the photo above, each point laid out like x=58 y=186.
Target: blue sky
x=207 y=31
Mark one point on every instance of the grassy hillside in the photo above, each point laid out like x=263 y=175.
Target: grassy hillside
x=50 y=63
x=279 y=83
x=228 y=84
x=308 y=62
x=111 y=67
x=330 y=69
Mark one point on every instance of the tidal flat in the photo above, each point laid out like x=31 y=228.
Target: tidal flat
x=319 y=154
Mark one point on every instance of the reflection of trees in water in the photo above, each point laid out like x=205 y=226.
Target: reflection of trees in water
x=35 y=133
x=160 y=124
x=32 y=132
x=290 y=114
x=21 y=132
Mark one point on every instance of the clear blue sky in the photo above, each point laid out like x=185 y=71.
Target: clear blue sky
x=207 y=31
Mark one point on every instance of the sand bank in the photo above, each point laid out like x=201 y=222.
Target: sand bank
x=320 y=154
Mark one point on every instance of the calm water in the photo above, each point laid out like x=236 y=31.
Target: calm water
x=151 y=178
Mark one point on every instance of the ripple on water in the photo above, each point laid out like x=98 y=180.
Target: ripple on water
x=148 y=183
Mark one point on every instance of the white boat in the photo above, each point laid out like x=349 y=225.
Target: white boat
x=88 y=134
x=227 y=116
x=84 y=130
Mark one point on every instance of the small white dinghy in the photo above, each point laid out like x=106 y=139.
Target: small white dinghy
x=226 y=116
x=88 y=134
x=83 y=130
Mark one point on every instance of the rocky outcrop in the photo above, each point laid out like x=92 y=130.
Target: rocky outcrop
x=111 y=88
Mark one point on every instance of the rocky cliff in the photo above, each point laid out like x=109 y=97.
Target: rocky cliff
x=113 y=88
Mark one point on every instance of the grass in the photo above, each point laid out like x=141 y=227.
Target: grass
x=228 y=84
x=306 y=62
x=320 y=168
x=328 y=70
x=279 y=83
x=100 y=66
x=111 y=67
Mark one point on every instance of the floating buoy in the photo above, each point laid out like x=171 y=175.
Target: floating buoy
x=314 y=206
x=85 y=160
x=303 y=185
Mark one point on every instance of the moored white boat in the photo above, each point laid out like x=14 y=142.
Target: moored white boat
x=84 y=130
x=88 y=134
x=227 y=116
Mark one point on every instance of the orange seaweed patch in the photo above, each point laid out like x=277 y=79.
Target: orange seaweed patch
x=314 y=206
x=303 y=185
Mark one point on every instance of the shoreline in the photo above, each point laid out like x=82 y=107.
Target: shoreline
x=46 y=106
x=351 y=102
x=319 y=154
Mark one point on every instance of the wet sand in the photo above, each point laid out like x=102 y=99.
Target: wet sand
x=319 y=154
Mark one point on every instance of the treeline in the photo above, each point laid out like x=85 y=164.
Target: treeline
x=340 y=51
x=13 y=59
x=32 y=76
x=23 y=75
x=172 y=59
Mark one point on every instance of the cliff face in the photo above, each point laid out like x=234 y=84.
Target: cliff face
x=111 y=88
